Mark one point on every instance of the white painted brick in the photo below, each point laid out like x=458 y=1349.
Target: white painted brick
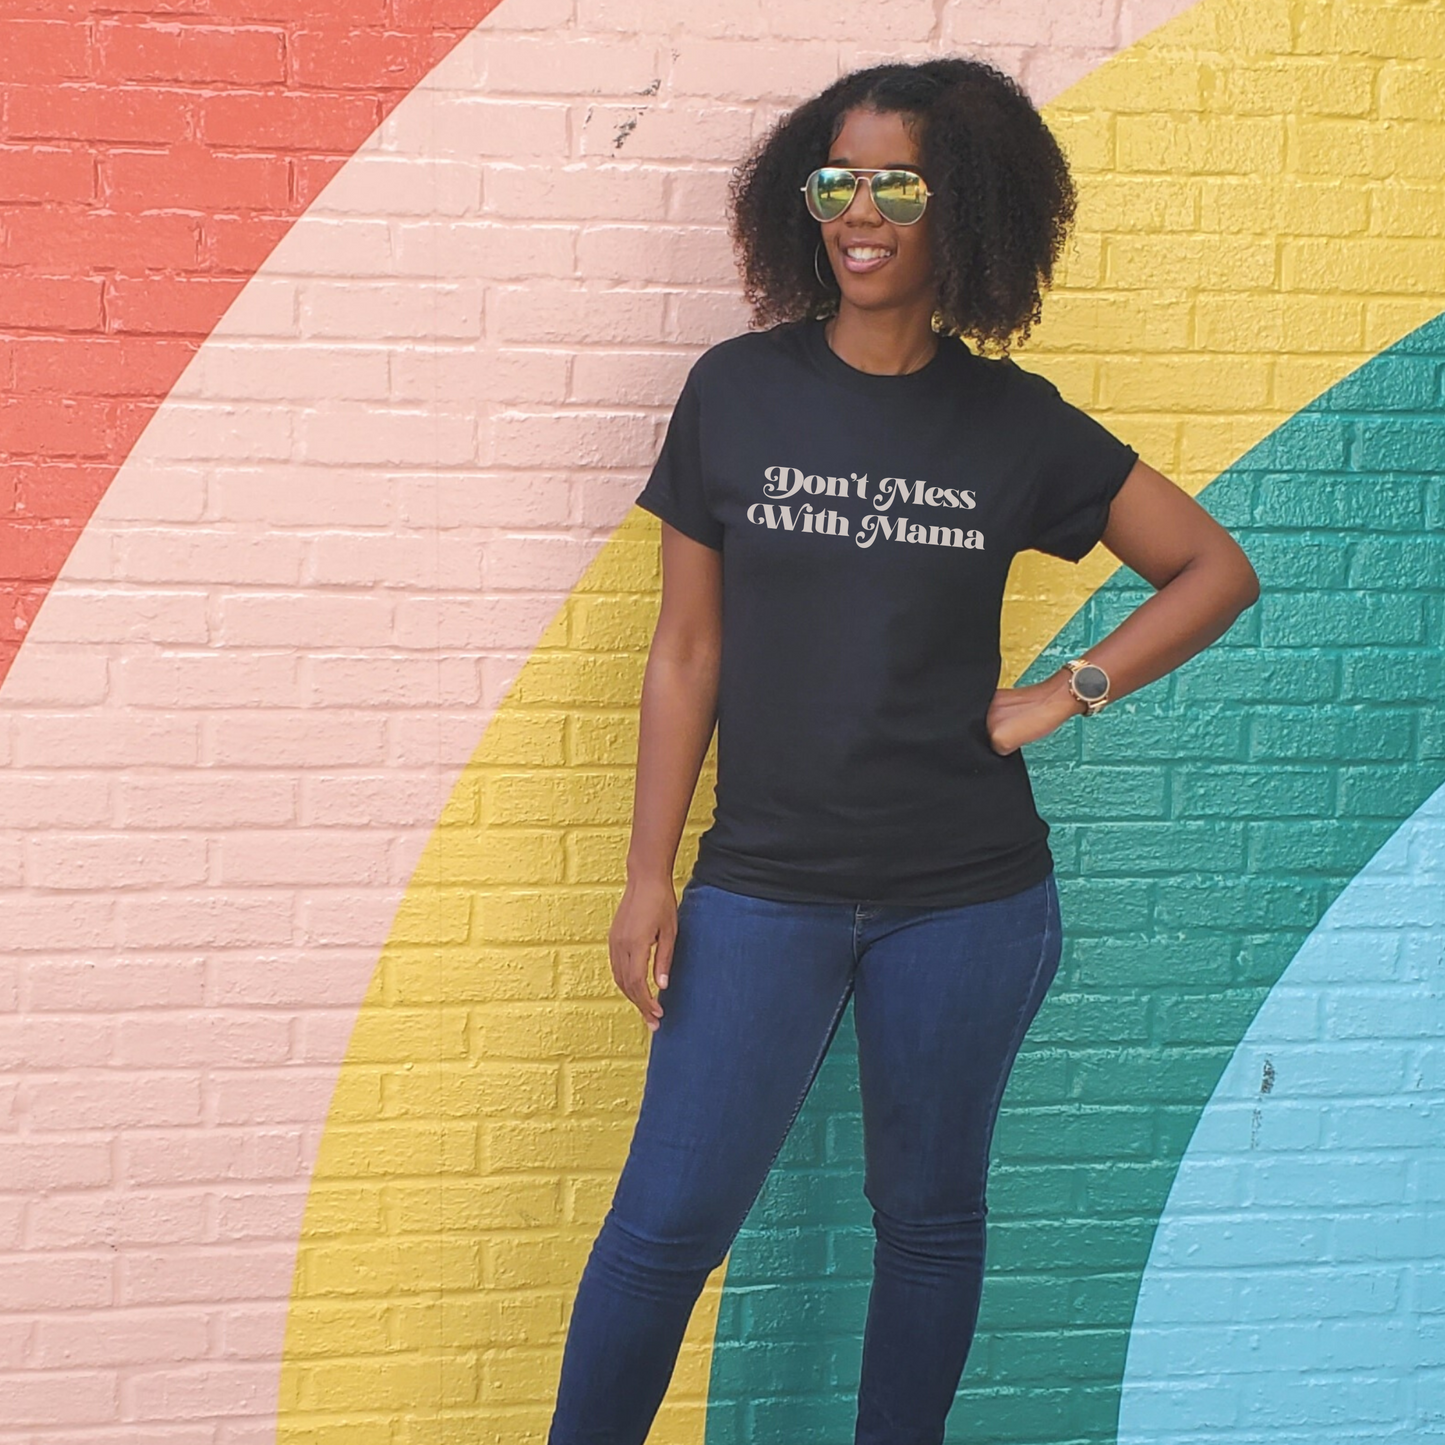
x=414 y=562
x=281 y=1096
x=39 y=1042
x=556 y=313
x=543 y=15
x=698 y=195
x=296 y=373
x=166 y=1156
x=660 y=17
x=603 y=498
x=102 y=862
x=703 y=318
x=15 y=1334
x=96 y=740
x=405 y=799
x=164 y=492
x=204 y=556
x=205 y=1275
x=580 y=192
x=499 y=621
x=480 y=499
x=200 y=1039
x=567 y=439
x=39 y=800
x=483 y=126
x=42 y=1165
x=537 y=564
x=498 y=676
x=208 y=799
x=685 y=134
x=282 y=619
x=10 y=971
x=201 y=1391
x=298 y=738
x=239 y=431
x=502 y=251
x=403 y=307
x=111 y=1100
x=632 y=378
x=206 y=919
x=444 y=378
x=214 y=677
x=125 y=615
x=301 y=497
x=900 y=22
x=324 y=1034
x=266 y=307
x=114 y=984
x=350 y=247
x=666 y=255
x=438 y=739
x=308 y=978
x=344 y=918
x=58 y=1399
x=118 y=1337
x=420 y=682
x=531 y=65
x=374 y=436
x=302 y=857
x=750 y=70
x=57 y=675
x=386 y=185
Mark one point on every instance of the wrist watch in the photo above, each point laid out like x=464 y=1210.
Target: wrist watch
x=1089 y=683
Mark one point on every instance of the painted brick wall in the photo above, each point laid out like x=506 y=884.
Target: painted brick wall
x=336 y=344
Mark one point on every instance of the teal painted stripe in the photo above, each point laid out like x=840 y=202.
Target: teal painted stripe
x=1202 y=826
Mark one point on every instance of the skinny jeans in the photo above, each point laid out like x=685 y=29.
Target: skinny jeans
x=942 y=998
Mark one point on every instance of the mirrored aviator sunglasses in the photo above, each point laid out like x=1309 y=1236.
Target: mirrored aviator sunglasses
x=901 y=196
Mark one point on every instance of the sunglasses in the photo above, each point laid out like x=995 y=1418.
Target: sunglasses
x=901 y=196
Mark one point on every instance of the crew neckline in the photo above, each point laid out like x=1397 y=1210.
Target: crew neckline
x=871 y=382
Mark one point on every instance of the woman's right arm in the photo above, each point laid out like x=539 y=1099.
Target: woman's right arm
x=677 y=714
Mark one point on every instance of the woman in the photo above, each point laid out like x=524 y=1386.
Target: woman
x=842 y=495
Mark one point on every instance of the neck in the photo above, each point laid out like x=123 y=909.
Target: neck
x=885 y=343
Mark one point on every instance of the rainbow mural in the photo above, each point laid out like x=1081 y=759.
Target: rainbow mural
x=338 y=344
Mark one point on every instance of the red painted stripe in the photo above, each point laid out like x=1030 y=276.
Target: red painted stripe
x=150 y=160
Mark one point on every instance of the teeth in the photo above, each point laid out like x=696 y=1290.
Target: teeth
x=868 y=253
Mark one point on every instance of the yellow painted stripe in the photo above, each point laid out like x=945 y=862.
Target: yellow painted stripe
x=1260 y=207
x=1256 y=181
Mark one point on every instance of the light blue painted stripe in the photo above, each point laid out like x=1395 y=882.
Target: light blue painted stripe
x=1296 y=1284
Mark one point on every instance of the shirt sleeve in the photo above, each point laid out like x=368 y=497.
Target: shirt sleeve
x=675 y=490
x=1082 y=466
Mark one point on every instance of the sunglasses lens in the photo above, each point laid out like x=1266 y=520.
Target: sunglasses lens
x=900 y=196
x=829 y=192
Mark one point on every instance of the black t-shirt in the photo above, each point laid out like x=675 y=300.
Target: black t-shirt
x=867 y=525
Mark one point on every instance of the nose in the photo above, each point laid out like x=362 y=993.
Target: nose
x=863 y=194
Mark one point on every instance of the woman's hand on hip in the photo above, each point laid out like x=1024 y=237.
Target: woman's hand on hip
x=645 y=919
x=1019 y=715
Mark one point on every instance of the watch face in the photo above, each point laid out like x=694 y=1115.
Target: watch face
x=1091 y=683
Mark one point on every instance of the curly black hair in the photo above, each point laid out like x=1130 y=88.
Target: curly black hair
x=1002 y=197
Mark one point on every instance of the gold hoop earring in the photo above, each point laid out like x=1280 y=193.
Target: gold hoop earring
x=818 y=270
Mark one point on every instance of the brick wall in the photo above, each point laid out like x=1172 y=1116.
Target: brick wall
x=315 y=761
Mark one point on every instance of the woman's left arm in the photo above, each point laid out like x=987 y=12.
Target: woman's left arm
x=1203 y=582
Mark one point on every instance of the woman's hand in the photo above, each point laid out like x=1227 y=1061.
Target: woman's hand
x=1019 y=715
x=646 y=916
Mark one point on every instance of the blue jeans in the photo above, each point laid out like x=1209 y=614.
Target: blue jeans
x=942 y=998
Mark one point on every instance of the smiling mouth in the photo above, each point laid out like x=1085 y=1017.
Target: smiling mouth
x=861 y=259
